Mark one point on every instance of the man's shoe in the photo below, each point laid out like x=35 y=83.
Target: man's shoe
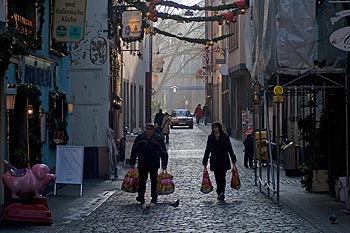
x=141 y=200
x=221 y=197
x=152 y=204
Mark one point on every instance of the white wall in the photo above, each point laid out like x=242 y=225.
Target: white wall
x=89 y=80
x=134 y=72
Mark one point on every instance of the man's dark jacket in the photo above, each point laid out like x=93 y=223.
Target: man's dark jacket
x=158 y=119
x=149 y=152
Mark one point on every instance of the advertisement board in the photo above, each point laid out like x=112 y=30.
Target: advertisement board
x=132 y=25
x=69 y=20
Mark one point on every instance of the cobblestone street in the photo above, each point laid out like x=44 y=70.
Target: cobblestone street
x=245 y=210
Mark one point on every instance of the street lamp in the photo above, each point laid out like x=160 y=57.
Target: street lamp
x=117 y=101
x=174 y=88
x=29 y=115
x=10 y=98
x=70 y=108
x=10 y=105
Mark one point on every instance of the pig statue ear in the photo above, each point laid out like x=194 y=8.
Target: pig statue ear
x=40 y=170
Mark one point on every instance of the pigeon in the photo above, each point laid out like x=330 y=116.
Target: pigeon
x=145 y=208
x=176 y=203
x=333 y=218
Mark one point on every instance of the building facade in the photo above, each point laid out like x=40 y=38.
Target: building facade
x=292 y=47
x=35 y=121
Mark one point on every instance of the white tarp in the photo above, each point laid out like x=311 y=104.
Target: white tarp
x=296 y=35
x=283 y=38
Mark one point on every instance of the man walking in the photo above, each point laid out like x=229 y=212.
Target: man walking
x=149 y=148
x=198 y=113
x=206 y=113
x=158 y=119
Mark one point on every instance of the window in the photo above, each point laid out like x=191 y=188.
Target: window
x=22 y=15
x=233 y=40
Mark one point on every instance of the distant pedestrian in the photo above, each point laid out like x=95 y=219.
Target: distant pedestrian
x=248 y=151
x=206 y=113
x=121 y=145
x=219 y=150
x=198 y=113
x=166 y=127
x=149 y=148
x=158 y=119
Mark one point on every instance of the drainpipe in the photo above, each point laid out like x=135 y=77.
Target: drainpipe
x=347 y=128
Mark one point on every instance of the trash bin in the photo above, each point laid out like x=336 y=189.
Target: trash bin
x=290 y=156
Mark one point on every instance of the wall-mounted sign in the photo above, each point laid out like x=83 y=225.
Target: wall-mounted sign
x=69 y=20
x=132 y=25
x=341 y=38
x=37 y=72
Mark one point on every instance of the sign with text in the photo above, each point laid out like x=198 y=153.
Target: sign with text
x=129 y=141
x=38 y=71
x=132 y=25
x=69 y=164
x=69 y=20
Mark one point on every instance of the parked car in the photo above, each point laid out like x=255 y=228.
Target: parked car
x=181 y=117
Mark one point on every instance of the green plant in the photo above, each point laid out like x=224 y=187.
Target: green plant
x=19 y=158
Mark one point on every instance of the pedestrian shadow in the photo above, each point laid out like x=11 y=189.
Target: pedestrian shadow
x=221 y=203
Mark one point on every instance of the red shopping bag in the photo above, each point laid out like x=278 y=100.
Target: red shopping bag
x=165 y=184
x=131 y=181
x=235 y=182
x=206 y=186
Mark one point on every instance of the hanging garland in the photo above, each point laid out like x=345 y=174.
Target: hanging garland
x=153 y=30
x=138 y=4
x=149 y=10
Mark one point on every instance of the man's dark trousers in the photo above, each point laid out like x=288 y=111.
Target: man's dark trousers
x=143 y=175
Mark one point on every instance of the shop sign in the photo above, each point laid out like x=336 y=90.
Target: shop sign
x=132 y=26
x=341 y=38
x=69 y=20
x=37 y=72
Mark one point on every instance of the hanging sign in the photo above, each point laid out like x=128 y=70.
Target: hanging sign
x=69 y=20
x=132 y=25
x=341 y=38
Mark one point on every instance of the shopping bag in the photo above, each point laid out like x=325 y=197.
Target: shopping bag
x=165 y=184
x=131 y=181
x=206 y=186
x=235 y=182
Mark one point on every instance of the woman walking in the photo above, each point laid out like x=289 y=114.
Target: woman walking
x=220 y=150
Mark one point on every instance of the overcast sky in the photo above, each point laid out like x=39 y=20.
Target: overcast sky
x=188 y=2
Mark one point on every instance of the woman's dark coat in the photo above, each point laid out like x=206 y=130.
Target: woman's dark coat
x=219 y=151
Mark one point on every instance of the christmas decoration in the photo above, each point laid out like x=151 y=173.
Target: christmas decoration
x=149 y=10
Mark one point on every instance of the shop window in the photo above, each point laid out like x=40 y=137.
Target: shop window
x=26 y=19
x=57 y=119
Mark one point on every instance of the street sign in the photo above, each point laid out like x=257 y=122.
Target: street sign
x=132 y=25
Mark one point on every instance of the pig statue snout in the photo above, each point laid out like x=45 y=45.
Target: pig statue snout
x=34 y=180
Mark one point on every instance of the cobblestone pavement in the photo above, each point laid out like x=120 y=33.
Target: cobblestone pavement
x=105 y=208
x=245 y=210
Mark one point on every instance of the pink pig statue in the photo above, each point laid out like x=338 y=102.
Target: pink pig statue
x=34 y=180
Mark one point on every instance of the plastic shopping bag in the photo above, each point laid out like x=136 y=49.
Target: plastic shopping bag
x=131 y=181
x=165 y=184
x=235 y=182
x=206 y=186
